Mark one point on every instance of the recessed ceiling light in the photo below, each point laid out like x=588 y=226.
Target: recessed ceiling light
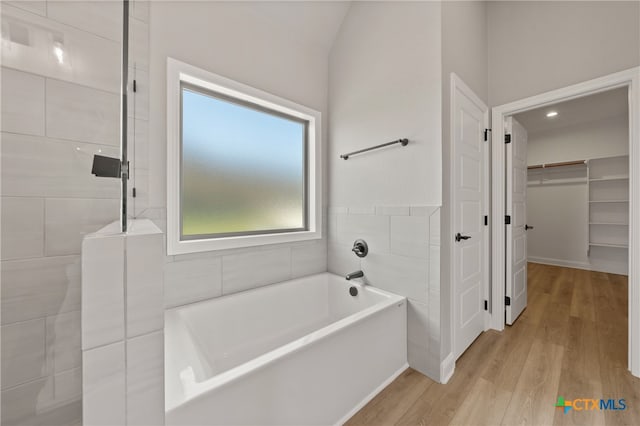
x=551 y=114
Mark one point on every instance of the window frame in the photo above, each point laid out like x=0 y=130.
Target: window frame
x=179 y=75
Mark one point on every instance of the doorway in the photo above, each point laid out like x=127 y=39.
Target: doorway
x=509 y=186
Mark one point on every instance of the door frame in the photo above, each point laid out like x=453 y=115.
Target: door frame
x=628 y=78
x=457 y=84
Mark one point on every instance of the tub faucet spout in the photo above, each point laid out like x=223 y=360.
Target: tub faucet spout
x=356 y=274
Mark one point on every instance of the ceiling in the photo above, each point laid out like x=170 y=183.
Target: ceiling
x=586 y=109
x=317 y=22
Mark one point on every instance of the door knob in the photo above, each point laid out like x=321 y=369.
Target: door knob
x=459 y=237
x=527 y=227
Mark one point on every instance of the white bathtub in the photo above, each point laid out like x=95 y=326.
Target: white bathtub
x=301 y=352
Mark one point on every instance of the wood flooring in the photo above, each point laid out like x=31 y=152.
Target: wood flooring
x=571 y=341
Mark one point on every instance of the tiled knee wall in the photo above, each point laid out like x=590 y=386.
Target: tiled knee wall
x=404 y=258
x=122 y=326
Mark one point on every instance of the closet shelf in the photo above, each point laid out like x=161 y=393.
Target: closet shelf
x=608 y=178
x=547 y=182
x=609 y=245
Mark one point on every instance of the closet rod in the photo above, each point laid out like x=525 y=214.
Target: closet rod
x=564 y=163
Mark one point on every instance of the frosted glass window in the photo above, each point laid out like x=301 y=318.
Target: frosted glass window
x=243 y=167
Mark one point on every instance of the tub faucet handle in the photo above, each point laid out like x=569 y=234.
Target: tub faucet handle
x=360 y=248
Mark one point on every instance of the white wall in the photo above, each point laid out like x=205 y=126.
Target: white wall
x=464 y=52
x=559 y=212
x=603 y=138
x=385 y=84
x=244 y=42
x=539 y=46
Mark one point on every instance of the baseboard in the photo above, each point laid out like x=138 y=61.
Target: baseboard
x=560 y=262
x=372 y=395
x=447 y=368
x=609 y=268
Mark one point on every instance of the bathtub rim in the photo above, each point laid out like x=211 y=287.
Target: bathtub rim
x=290 y=348
x=327 y=275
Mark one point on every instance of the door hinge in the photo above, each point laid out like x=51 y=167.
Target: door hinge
x=507 y=138
x=133 y=192
x=124 y=169
x=135 y=86
x=507 y=301
x=507 y=220
x=486 y=134
x=486 y=305
x=486 y=220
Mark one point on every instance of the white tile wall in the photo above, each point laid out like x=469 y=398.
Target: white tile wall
x=101 y=18
x=68 y=220
x=423 y=210
x=361 y=210
x=22 y=227
x=38 y=7
x=145 y=380
x=309 y=259
x=418 y=336
x=23 y=352
x=340 y=259
x=36 y=288
x=189 y=281
x=393 y=210
x=68 y=385
x=139 y=40
x=19 y=403
x=434 y=228
x=253 y=269
x=141 y=10
x=144 y=269
x=90 y=60
x=409 y=236
x=434 y=283
x=22 y=102
x=35 y=166
x=404 y=258
x=372 y=228
x=104 y=387
x=64 y=341
x=82 y=114
x=103 y=290
x=139 y=146
x=398 y=274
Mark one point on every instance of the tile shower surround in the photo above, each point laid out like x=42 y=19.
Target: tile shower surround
x=55 y=117
x=404 y=258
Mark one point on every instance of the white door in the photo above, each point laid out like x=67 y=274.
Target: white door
x=516 y=251
x=469 y=153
